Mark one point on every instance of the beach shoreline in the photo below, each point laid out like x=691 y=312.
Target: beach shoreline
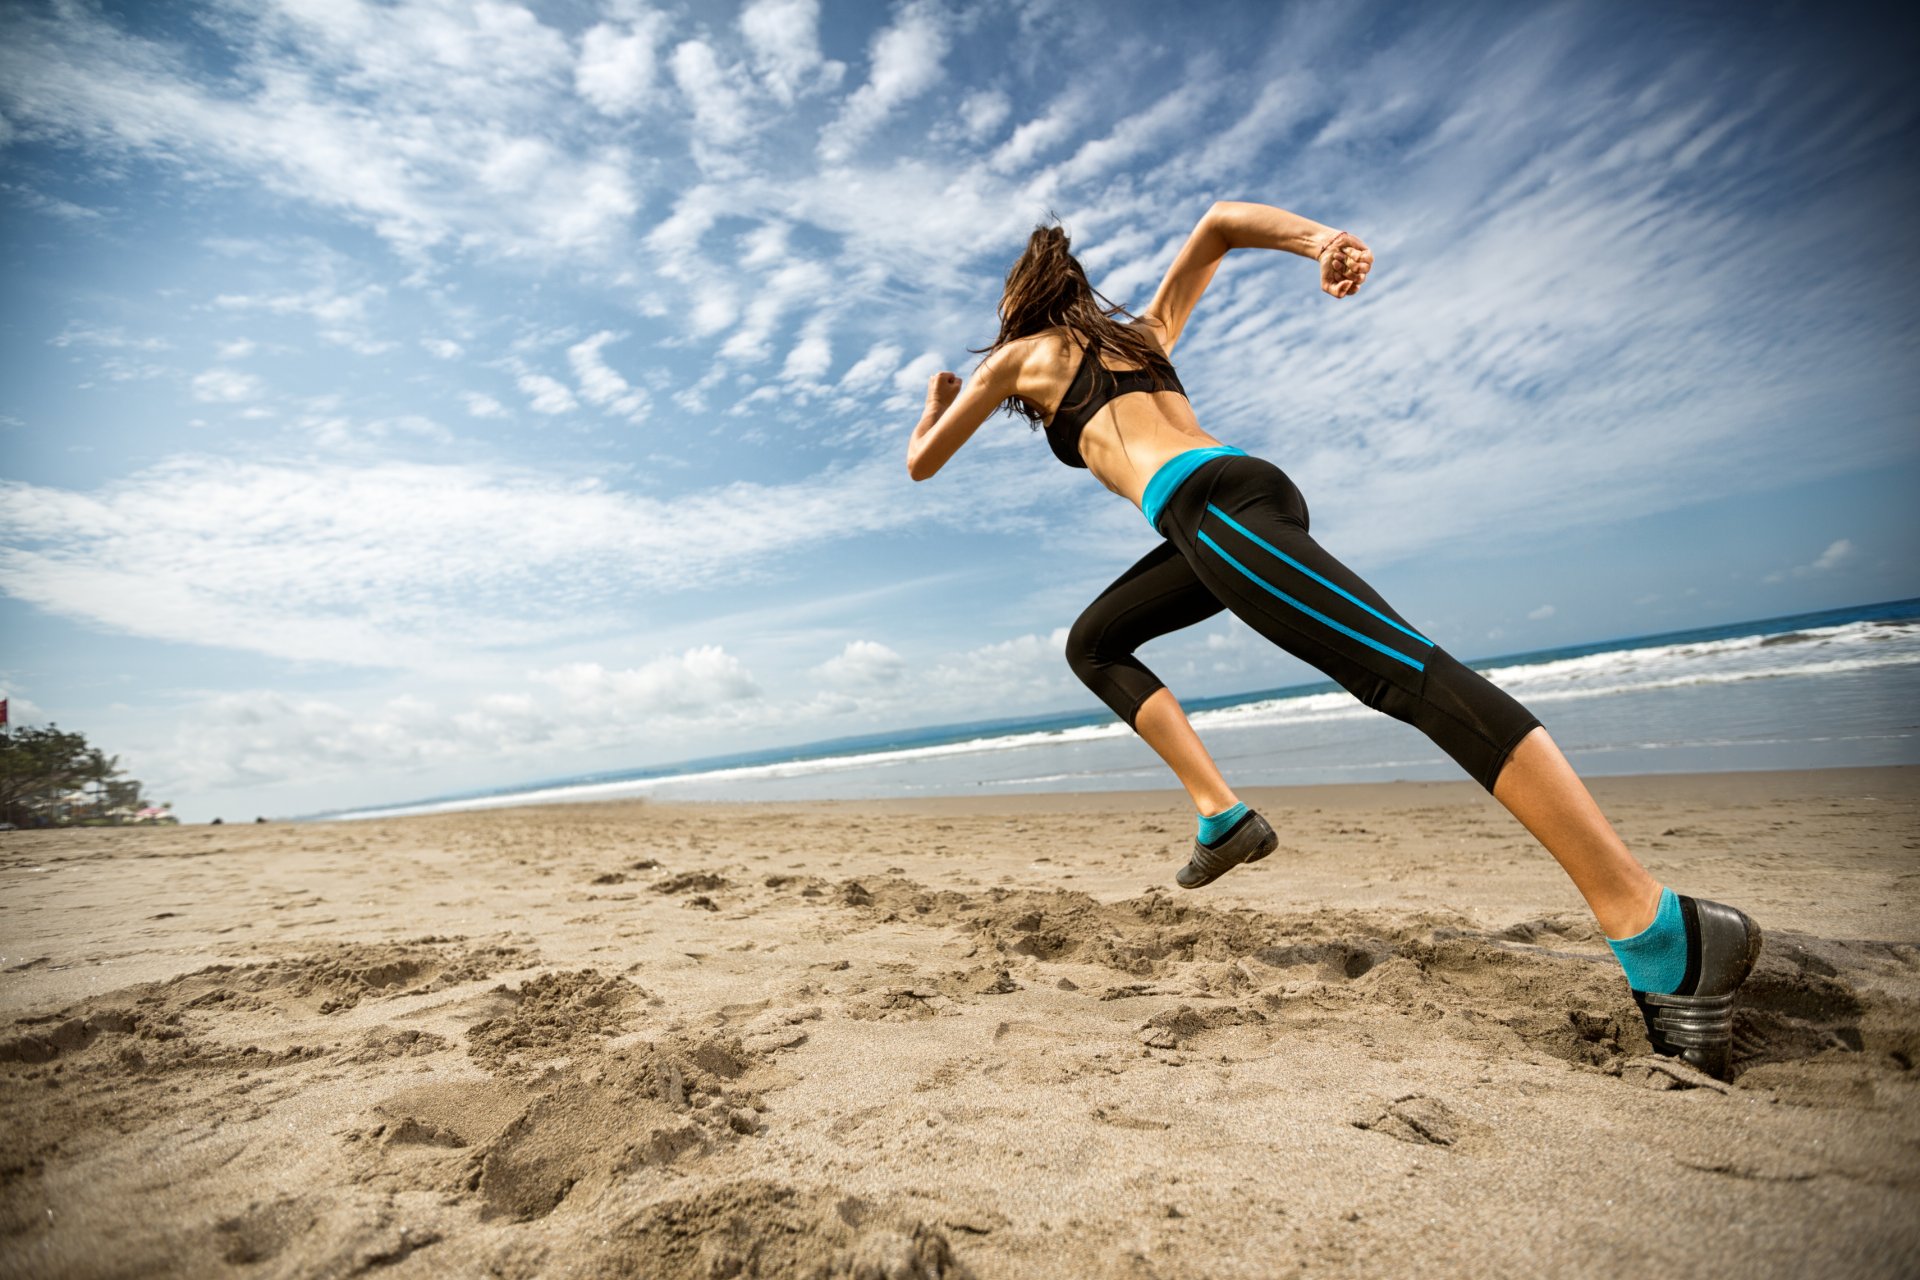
x=952 y=1035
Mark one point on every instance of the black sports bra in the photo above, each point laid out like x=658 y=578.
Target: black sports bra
x=1063 y=432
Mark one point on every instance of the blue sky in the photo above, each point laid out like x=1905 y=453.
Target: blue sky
x=408 y=397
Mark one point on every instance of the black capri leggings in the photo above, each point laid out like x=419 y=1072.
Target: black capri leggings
x=1236 y=538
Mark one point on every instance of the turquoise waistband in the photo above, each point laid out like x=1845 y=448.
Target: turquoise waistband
x=1174 y=472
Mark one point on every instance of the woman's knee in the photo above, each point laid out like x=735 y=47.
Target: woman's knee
x=1468 y=716
x=1085 y=641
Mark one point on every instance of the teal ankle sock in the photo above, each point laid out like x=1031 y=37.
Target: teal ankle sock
x=1656 y=958
x=1213 y=826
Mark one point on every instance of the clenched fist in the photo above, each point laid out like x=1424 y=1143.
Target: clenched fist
x=942 y=387
x=1344 y=263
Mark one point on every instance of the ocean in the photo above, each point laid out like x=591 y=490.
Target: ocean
x=1814 y=690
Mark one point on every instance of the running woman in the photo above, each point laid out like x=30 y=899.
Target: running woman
x=1234 y=536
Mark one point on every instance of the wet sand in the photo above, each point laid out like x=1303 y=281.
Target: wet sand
x=980 y=1037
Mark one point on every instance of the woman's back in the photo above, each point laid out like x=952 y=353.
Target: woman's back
x=1131 y=431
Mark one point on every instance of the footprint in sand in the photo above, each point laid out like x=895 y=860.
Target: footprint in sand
x=1420 y=1120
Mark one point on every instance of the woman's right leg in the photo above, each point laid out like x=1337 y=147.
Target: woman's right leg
x=1157 y=595
x=1243 y=526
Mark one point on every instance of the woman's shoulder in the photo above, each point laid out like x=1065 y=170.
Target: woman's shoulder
x=1037 y=352
x=1063 y=345
x=1151 y=326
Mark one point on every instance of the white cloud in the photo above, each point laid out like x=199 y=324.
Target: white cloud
x=982 y=112
x=872 y=369
x=341 y=316
x=1029 y=670
x=118 y=368
x=861 y=664
x=766 y=245
x=1541 y=614
x=616 y=67
x=484 y=406
x=694 y=213
x=795 y=284
x=784 y=36
x=600 y=384
x=721 y=115
x=258 y=738
x=547 y=395
x=466 y=55
x=338 y=431
x=225 y=386
x=1138 y=132
x=443 y=348
x=910 y=381
x=905 y=63
x=40 y=201
x=869 y=679
x=388 y=114
x=1037 y=136
x=1837 y=553
x=403 y=565
x=811 y=356
x=682 y=685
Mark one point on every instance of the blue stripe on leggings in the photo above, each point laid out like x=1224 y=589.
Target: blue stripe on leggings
x=1310 y=612
x=1253 y=537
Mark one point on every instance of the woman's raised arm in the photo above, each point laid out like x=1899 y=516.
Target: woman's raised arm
x=1235 y=224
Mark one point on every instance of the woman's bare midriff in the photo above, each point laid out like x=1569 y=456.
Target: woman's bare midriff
x=1131 y=437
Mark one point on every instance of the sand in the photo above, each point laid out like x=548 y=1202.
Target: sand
x=972 y=1037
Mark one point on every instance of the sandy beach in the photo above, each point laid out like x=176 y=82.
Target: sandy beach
x=953 y=1037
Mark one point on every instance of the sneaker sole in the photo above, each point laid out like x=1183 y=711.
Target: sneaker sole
x=1698 y=1029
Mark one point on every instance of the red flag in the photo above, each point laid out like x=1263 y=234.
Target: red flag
x=3 y=713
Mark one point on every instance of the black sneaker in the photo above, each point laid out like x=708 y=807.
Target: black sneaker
x=1695 y=1023
x=1250 y=840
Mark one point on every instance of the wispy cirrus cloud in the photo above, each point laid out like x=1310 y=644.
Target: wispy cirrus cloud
x=395 y=564
x=715 y=93
x=264 y=738
x=114 y=339
x=618 y=63
x=444 y=156
x=547 y=395
x=1838 y=552
x=784 y=37
x=905 y=62
x=598 y=382
x=226 y=386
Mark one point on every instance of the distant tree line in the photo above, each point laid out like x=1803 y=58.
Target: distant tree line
x=49 y=777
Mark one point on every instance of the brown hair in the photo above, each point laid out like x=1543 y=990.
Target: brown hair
x=1046 y=288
